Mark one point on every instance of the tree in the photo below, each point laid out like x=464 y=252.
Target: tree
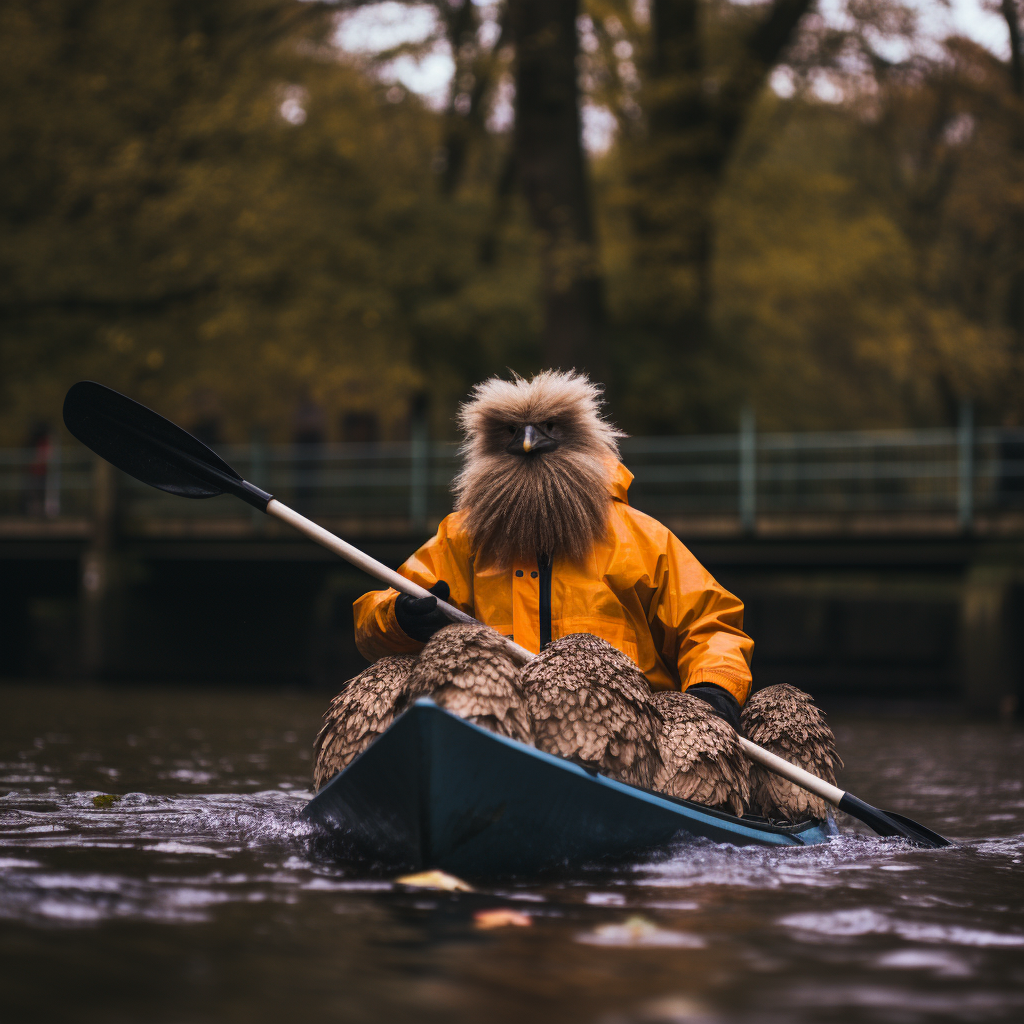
x=696 y=108
x=212 y=208
x=868 y=249
x=1011 y=13
x=550 y=166
x=203 y=206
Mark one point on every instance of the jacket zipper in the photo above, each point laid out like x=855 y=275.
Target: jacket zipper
x=544 y=564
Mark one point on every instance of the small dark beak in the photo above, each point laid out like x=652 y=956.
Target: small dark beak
x=530 y=439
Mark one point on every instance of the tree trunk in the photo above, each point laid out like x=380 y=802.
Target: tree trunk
x=1015 y=305
x=1009 y=9
x=552 y=172
x=694 y=115
x=461 y=23
x=675 y=173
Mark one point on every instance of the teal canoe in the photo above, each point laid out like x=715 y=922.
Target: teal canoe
x=435 y=791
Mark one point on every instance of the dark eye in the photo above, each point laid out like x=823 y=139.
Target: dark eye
x=549 y=426
x=511 y=428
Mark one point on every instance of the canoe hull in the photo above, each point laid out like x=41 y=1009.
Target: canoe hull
x=435 y=791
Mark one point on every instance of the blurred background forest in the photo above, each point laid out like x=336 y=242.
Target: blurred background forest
x=221 y=210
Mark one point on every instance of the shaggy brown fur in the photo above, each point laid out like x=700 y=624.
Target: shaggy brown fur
x=701 y=754
x=785 y=721
x=366 y=706
x=553 y=503
x=467 y=670
x=590 y=704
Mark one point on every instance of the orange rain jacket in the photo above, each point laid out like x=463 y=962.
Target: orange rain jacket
x=641 y=590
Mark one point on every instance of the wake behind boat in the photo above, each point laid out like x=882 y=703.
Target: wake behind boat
x=436 y=791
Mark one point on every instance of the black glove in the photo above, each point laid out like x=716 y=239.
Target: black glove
x=419 y=617
x=722 y=702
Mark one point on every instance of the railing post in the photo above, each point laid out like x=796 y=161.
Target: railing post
x=419 y=465
x=965 y=466
x=97 y=570
x=51 y=494
x=258 y=471
x=748 y=471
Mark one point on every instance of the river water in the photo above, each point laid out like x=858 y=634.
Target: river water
x=197 y=896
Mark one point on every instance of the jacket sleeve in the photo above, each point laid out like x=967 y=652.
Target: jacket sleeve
x=445 y=556
x=701 y=624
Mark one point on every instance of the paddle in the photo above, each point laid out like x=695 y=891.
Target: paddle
x=885 y=823
x=158 y=452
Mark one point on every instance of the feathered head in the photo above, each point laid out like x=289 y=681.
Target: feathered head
x=538 y=454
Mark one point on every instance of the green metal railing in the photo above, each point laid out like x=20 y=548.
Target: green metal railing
x=963 y=473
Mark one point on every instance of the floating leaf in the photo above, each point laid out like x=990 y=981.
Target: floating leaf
x=638 y=931
x=435 y=880
x=502 y=917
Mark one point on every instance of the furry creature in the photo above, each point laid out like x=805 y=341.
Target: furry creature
x=536 y=464
x=366 y=706
x=701 y=755
x=467 y=670
x=590 y=704
x=785 y=721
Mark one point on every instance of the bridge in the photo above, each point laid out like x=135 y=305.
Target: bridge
x=874 y=564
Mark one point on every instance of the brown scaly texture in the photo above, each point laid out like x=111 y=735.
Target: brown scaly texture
x=554 y=503
x=701 y=754
x=360 y=713
x=785 y=721
x=467 y=670
x=591 y=704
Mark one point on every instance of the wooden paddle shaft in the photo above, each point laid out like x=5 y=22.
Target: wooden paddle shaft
x=802 y=778
x=377 y=569
x=405 y=586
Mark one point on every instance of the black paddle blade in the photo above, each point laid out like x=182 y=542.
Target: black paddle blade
x=918 y=833
x=889 y=823
x=150 y=448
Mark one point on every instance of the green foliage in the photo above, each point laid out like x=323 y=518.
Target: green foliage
x=168 y=231
x=864 y=251
x=203 y=205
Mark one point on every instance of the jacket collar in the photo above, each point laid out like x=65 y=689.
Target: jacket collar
x=618 y=483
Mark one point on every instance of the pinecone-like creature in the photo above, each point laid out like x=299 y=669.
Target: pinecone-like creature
x=785 y=721
x=591 y=704
x=468 y=670
x=360 y=713
x=701 y=755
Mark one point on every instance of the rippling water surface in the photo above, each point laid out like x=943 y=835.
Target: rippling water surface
x=196 y=896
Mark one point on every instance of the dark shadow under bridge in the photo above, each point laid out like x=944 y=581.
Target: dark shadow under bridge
x=874 y=564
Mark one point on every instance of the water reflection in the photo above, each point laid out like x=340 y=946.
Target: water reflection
x=198 y=893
